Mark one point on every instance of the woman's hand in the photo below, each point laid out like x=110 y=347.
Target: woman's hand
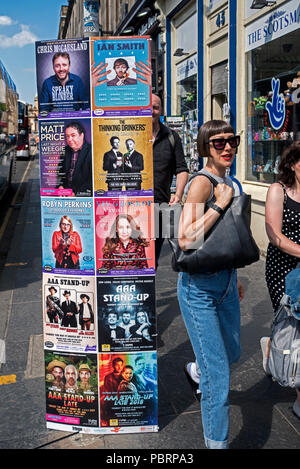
x=223 y=195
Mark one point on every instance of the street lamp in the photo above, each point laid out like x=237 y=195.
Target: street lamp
x=258 y=4
x=144 y=12
x=128 y=30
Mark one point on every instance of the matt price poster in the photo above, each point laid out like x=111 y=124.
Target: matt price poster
x=71 y=389
x=67 y=235
x=121 y=76
x=69 y=309
x=124 y=236
x=123 y=156
x=63 y=78
x=128 y=389
x=60 y=140
x=126 y=314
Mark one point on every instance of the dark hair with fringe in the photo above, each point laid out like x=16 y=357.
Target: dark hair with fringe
x=76 y=125
x=289 y=157
x=206 y=131
x=113 y=240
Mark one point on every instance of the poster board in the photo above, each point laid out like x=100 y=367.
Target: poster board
x=81 y=297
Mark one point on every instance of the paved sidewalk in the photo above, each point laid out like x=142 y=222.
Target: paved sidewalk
x=261 y=415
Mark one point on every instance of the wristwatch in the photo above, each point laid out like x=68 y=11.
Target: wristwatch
x=217 y=208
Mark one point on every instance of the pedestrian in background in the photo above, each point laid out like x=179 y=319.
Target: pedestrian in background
x=210 y=302
x=168 y=160
x=283 y=230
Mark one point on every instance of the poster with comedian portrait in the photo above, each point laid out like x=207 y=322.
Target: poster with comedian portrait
x=121 y=76
x=63 y=79
x=65 y=157
x=123 y=156
x=67 y=235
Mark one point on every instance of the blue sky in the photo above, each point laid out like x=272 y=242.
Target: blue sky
x=22 y=22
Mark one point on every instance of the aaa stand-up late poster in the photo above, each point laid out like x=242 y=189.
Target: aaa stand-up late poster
x=67 y=235
x=63 y=78
x=69 y=309
x=123 y=156
x=121 y=76
x=71 y=390
x=124 y=236
x=128 y=389
x=126 y=314
x=65 y=157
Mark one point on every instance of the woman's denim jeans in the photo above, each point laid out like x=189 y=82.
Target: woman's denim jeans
x=210 y=308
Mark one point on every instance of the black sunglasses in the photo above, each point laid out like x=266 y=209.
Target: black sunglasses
x=220 y=143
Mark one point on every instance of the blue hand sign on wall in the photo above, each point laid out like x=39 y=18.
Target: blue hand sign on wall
x=276 y=107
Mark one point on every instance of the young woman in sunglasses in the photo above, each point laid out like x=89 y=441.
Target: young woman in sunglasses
x=209 y=302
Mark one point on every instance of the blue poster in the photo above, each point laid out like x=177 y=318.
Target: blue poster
x=121 y=76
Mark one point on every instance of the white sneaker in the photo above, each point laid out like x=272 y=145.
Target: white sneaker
x=263 y=344
x=194 y=385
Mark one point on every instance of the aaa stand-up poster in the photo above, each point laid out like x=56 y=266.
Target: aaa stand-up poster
x=128 y=389
x=65 y=157
x=124 y=236
x=71 y=391
x=68 y=235
x=123 y=156
x=69 y=308
x=126 y=314
x=121 y=76
x=63 y=78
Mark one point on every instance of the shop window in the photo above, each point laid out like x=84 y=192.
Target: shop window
x=187 y=108
x=219 y=89
x=187 y=95
x=186 y=34
x=273 y=105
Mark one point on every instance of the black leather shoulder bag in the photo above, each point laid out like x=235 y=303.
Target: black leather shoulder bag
x=228 y=245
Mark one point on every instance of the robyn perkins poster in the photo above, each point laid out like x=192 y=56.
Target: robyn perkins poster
x=67 y=235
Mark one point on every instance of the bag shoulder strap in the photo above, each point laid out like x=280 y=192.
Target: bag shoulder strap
x=284 y=191
x=212 y=179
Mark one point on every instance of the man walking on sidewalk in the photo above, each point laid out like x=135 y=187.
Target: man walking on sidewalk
x=168 y=160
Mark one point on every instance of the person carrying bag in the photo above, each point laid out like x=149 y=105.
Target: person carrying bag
x=209 y=292
x=228 y=244
x=283 y=253
x=284 y=357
